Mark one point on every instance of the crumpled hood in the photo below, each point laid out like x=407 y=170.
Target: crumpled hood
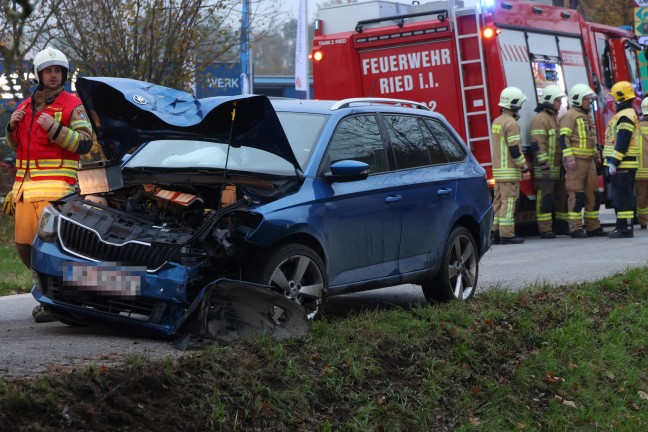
x=126 y=113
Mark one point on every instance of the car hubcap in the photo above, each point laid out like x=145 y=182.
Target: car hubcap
x=462 y=268
x=301 y=280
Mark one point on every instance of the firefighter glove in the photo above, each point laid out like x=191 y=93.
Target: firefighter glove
x=613 y=169
x=8 y=206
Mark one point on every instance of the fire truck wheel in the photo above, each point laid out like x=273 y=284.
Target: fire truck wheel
x=457 y=277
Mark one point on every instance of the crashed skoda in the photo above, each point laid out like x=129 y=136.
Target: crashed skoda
x=228 y=216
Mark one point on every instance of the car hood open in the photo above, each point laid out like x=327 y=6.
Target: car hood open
x=126 y=113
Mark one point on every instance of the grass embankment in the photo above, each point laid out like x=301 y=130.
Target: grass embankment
x=15 y=278
x=569 y=358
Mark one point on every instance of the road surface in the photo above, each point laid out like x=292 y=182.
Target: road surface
x=29 y=348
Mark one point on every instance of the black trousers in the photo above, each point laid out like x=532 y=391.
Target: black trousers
x=623 y=198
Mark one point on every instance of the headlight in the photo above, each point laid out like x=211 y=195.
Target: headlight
x=48 y=225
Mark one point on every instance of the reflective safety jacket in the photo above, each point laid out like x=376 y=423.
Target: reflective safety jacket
x=47 y=161
x=544 y=132
x=642 y=145
x=576 y=126
x=627 y=153
x=508 y=160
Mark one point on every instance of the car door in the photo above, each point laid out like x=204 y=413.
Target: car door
x=428 y=190
x=363 y=218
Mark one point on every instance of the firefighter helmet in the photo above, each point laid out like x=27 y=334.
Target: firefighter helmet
x=578 y=92
x=644 y=106
x=50 y=57
x=550 y=94
x=622 y=91
x=512 y=98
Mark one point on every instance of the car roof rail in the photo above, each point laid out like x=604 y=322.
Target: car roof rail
x=346 y=103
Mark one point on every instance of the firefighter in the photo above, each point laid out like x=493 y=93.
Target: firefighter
x=509 y=166
x=49 y=131
x=621 y=155
x=547 y=165
x=641 y=179
x=580 y=156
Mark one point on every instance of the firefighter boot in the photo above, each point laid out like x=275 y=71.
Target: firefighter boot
x=42 y=315
x=511 y=240
x=617 y=233
x=598 y=232
x=579 y=233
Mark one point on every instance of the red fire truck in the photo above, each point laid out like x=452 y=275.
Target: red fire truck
x=456 y=58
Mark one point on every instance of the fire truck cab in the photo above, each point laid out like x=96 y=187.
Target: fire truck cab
x=456 y=57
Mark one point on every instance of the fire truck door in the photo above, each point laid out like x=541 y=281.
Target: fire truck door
x=573 y=61
x=518 y=73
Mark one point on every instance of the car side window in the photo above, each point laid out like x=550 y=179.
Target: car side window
x=407 y=141
x=358 y=138
x=453 y=149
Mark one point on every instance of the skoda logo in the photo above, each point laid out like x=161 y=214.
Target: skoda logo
x=139 y=100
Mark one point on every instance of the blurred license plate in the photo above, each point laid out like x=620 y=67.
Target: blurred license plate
x=105 y=278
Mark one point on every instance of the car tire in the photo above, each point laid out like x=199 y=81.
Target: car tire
x=295 y=270
x=457 y=277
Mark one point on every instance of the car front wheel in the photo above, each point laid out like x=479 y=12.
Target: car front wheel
x=295 y=270
x=457 y=277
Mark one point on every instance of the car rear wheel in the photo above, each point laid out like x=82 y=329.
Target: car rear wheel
x=295 y=270
x=457 y=277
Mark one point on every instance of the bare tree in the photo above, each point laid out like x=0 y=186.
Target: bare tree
x=23 y=25
x=158 y=41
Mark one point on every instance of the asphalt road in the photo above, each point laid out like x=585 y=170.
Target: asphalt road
x=29 y=348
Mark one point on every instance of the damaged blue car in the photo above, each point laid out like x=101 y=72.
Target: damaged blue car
x=224 y=217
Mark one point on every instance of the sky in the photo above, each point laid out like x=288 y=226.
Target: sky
x=291 y=7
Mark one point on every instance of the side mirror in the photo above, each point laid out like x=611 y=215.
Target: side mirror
x=347 y=170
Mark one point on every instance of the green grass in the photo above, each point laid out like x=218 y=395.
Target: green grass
x=16 y=278
x=571 y=358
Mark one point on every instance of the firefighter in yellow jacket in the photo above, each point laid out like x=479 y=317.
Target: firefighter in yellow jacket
x=580 y=156
x=547 y=163
x=621 y=155
x=509 y=166
x=641 y=179
x=48 y=131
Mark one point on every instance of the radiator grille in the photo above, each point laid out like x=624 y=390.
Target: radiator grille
x=86 y=243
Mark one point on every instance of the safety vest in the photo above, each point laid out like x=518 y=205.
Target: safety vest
x=45 y=159
x=629 y=159
x=44 y=170
x=642 y=145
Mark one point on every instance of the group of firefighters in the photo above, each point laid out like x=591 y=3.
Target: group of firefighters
x=565 y=159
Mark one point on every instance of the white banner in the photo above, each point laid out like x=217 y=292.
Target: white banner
x=301 y=56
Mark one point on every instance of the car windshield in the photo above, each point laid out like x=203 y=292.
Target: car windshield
x=302 y=130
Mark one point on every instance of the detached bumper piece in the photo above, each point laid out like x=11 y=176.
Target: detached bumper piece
x=238 y=310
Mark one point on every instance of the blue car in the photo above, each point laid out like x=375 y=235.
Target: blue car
x=228 y=216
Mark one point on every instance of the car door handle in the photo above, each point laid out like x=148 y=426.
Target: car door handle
x=393 y=198
x=444 y=192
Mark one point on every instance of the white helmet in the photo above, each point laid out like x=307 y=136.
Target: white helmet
x=578 y=92
x=50 y=57
x=644 y=106
x=550 y=94
x=512 y=98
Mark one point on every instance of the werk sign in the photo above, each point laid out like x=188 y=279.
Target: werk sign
x=218 y=79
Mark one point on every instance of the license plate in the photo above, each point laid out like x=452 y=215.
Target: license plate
x=107 y=279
